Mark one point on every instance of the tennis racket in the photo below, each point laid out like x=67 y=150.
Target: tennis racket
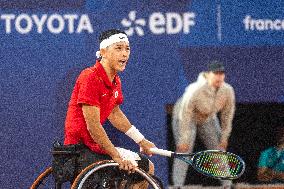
x=213 y=163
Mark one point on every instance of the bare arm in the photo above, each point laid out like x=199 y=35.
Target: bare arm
x=280 y=175
x=120 y=121
x=265 y=174
x=97 y=132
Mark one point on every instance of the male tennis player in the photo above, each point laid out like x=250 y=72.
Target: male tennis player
x=196 y=113
x=96 y=97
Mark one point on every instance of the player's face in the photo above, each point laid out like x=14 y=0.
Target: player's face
x=117 y=55
x=216 y=79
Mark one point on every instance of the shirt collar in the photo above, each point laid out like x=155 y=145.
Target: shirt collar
x=102 y=73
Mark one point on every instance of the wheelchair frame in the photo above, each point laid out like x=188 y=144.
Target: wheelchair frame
x=80 y=180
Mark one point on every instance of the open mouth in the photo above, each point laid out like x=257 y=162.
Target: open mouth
x=123 y=62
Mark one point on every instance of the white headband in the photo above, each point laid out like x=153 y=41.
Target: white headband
x=111 y=40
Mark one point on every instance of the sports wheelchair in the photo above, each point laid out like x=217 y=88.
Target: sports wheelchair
x=64 y=173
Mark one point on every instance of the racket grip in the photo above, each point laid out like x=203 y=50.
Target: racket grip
x=161 y=152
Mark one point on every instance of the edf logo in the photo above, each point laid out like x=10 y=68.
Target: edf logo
x=159 y=23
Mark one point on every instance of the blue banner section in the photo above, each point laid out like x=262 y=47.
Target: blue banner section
x=205 y=30
x=252 y=22
x=233 y=22
x=45 y=45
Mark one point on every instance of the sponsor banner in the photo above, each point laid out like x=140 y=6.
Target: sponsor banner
x=236 y=23
x=158 y=23
x=253 y=23
x=24 y=23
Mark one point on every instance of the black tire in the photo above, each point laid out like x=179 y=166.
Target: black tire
x=46 y=181
x=106 y=175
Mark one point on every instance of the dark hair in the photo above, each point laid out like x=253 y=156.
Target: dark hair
x=106 y=34
x=215 y=66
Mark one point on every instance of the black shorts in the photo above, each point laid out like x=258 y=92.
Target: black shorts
x=88 y=157
x=69 y=160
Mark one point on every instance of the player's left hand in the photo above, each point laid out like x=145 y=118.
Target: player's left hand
x=223 y=145
x=145 y=146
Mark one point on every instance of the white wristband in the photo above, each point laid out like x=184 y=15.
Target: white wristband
x=134 y=133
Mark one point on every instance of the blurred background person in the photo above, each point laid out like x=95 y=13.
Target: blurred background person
x=195 y=113
x=271 y=161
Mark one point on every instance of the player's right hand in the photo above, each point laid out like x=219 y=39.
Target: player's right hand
x=145 y=146
x=125 y=165
x=182 y=148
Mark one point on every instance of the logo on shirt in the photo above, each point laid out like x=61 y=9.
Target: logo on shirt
x=116 y=94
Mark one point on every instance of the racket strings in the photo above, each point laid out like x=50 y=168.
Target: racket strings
x=218 y=164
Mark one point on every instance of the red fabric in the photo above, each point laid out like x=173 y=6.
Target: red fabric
x=93 y=88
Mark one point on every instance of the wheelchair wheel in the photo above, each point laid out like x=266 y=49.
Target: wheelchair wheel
x=106 y=175
x=46 y=181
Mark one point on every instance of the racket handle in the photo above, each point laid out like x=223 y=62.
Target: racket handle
x=161 y=152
